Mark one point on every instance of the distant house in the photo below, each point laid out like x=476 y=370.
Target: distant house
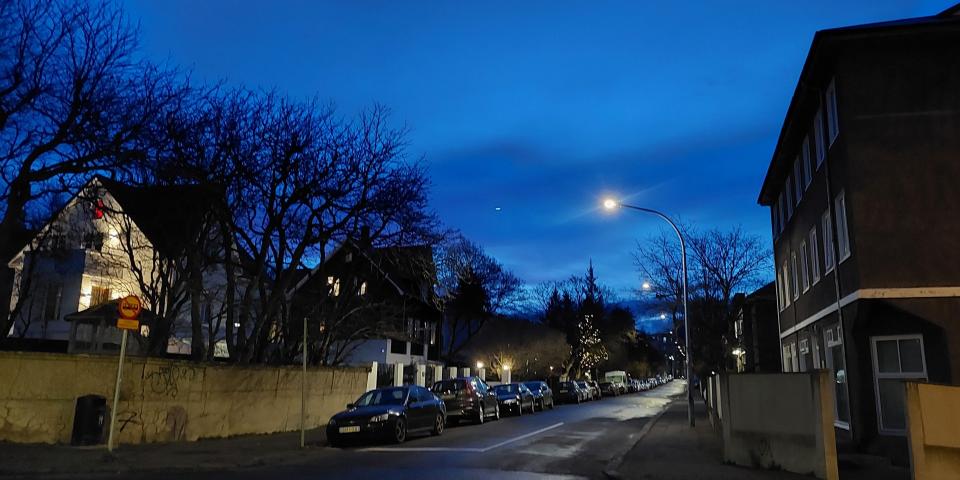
x=756 y=339
x=863 y=198
x=381 y=300
x=112 y=240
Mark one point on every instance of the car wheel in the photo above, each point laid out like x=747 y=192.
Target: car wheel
x=438 y=425
x=519 y=409
x=533 y=407
x=481 y=413
x=496 y=412
x=551 y=404
x=400 y=431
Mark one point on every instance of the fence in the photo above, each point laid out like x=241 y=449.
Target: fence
x=933 y=430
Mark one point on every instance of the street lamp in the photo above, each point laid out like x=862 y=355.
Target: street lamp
x=611 y=204
x=479 y=365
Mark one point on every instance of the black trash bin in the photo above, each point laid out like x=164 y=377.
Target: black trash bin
x=88 y=420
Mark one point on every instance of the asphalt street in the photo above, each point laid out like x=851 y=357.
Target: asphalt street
x=571 y=441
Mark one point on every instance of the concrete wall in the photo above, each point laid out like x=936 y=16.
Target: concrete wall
x=779 y=421
x=933 y=430
x=165 y=400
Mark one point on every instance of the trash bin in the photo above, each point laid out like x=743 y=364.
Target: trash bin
x=88 y=420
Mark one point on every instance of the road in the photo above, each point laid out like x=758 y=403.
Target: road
x=571 y=441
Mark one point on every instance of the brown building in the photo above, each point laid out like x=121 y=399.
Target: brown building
x=756 y=339
x=864 y=204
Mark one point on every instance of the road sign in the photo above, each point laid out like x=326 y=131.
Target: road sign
x=129 y=308
x=128 y=324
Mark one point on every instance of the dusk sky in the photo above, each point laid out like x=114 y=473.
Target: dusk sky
x=540 y=108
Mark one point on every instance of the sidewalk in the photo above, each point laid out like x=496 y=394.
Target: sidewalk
x=31 y=461
x=673 y=450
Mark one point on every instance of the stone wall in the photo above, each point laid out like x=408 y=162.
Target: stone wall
x=933 y=430
x=165 y=400
x=779 y=421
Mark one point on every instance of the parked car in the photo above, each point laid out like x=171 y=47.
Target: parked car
x=595 y=389
x=570 y=392
x=541 y=393
x=588 y=391
x=515 y=397
x=467 y=397
x=608 y=388
x=388 y=413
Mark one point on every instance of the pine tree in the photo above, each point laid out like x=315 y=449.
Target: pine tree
x=589 y=350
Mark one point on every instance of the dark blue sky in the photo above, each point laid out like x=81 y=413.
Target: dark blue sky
x=540 y=107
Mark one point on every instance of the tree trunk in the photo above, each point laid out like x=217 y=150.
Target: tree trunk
x=195 y=282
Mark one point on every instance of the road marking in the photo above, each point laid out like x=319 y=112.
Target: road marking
x=521 y=437
x=459 y=449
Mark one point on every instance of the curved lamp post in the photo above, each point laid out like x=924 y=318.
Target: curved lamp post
x=611 y=204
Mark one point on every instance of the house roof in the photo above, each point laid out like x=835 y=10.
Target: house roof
x=170 y=216
x=824 y=41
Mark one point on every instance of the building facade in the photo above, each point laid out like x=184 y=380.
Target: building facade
x=755 y=333
x=863 y=200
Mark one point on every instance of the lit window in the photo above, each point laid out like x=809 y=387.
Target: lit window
x=833 y=120
x=843 y=235
x=363 y=288
x=814 y=257
x=827 y=243
x=895 y=360
x=818 y=136
x=336 y=287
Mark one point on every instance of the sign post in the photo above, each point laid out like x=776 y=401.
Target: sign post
x=129 y=309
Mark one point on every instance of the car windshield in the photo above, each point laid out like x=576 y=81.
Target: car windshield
x=448 y=386
x=509 y=388
x=386 y=396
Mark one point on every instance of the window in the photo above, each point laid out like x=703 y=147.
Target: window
x=789 y=189
x=843 y=234
x=334 y=284
x=794 y=284
x=895 y=359
x=783 y=218
x=818 y=136
x=806 y=360
x=787 y=360
x=780 y=301
x=398 y=347
x=348 y=257
x=814 y=257
x=797 y=180
x=836 y=363
x=804 y=267
x=99 y=295
x=363 y=288
x=833 y=120
x=805 y=158
x=51 y=304
x=786 y=285
x=827 y=243
x=774 y=220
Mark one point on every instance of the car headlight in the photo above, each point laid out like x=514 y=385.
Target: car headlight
x=333 y=422
x=380 y=418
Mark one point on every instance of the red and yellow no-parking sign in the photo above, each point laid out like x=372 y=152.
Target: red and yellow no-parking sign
x=129 y=308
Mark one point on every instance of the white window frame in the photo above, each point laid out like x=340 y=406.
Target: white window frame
x=794 y=277
x=814 y=257
x=788 y=188
x=833 y=118
x=837 y=339
x=828 y=260
x=877 y=376
x=843 y=231
x=818 y=136
x=783 y=218
x=797 y=181
x=805 y=158
x=786 y=284
x=804 y=267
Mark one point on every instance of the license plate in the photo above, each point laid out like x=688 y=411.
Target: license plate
x=349 y=429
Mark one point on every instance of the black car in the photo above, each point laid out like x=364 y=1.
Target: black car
x=388 y=413
x=541 y=393
x=608 y=388
x=515 y=397
x=570 y=392
x=468 y=397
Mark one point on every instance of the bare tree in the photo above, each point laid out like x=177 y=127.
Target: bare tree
x=73 y=100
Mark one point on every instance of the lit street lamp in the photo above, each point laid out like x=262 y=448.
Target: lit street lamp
x=611 y=204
